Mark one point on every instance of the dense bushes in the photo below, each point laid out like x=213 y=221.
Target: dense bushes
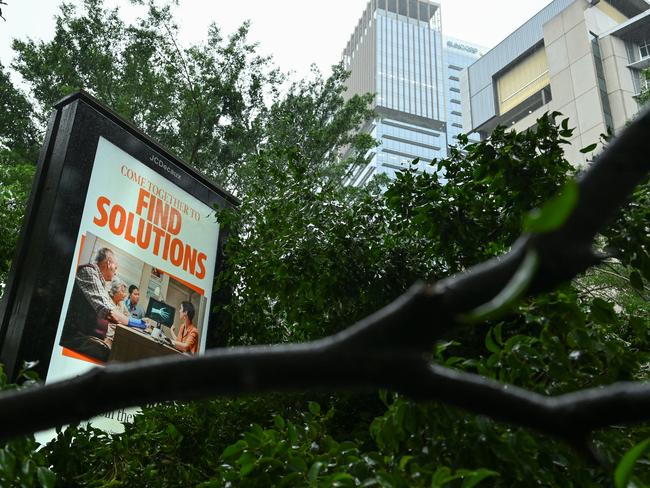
x=308 y=256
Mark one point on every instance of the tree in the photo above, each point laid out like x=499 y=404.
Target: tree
x=558 y=342
x=18 y=152
x=203 y=101
x=298 y=220
x=17 y=129
x=311 y=255
x=15 y=185
x=477 y=211
x=644 y=95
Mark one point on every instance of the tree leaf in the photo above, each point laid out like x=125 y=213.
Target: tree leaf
x=565 y=123
x=297 y=463
x=490 y=344
x=623 y=471
x=473 y=478
x=314 y=408
x=504 y=300
x=555 y=212
x=279 y=422
x=46 y=478
x=636 y=281
x=498 y=337
x=404 y=461
x=246 y=469
x=234 y=449
x=602 y=311
x=313 y=471
x=589 y=148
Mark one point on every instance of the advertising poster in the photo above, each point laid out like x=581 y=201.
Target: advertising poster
x=141 y=283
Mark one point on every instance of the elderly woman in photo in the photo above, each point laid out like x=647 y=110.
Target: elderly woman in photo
x=118 y=292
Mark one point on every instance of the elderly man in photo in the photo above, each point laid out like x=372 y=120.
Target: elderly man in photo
x=117 y=292
x=91 y=308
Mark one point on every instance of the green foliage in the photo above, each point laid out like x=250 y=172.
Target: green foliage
x=168 y=444
x=473 y=206
x=308 y=256
x=18 y=151
x=304 y=454
x=623 y=472
x=509 y=295
x=203 y=101
x=298 y=227
x=21 y=465
x=643 y=97
x=15 y=185
x=558 y=343
x=179 y=444
x=554 y=344
x=554 y=212
x=183 y=445
x=627 y=241
x=18 y=132
x=627 y=237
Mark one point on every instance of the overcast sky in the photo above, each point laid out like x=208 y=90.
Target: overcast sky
x=296 y=33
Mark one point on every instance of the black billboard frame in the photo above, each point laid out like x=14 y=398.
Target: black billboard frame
x=33 y=298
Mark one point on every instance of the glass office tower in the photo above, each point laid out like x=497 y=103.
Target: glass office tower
x=398 y=52
x=457 y=55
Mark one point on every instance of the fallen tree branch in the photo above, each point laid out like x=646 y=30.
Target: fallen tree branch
x=389 y=348
x=318 y=367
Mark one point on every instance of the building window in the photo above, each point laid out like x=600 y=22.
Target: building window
x=454 y=78
x=644 y=49
x=456 y=101
x=454 y=89
x=600 y=73
x=527 y=77
x=456 y=112
x=455 y=68
x=460 y=126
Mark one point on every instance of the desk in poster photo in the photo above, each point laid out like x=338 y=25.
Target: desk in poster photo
x=99 y=326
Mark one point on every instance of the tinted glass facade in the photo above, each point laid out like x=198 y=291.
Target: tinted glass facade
x=414 y=73
x=457 y=55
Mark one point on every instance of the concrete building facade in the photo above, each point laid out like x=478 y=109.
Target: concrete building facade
x=582 y=58
x=398 y=52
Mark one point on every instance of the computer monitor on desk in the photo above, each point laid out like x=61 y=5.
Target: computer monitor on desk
x=160 y=312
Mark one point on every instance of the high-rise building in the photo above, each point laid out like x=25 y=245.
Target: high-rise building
x=398 y=52
x=582 y=58
x=457 y=55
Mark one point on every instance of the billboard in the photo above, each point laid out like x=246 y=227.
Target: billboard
x=138 y=231
x=118 y=251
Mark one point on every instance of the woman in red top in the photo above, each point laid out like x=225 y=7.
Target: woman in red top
x=187 y=339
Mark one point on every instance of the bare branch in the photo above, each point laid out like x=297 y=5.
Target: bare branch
x=191 y=87
x=570 y=417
